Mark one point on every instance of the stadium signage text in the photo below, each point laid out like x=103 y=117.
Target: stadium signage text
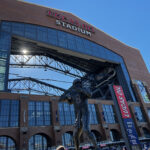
x=126 y=116
x=71 y=24
x=122 y=102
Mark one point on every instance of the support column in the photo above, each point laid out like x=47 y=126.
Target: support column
x=24 y=122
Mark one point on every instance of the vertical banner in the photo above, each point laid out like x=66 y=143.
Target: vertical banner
x=126 y=116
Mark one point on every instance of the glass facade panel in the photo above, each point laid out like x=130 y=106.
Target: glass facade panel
x=2 y=79
x=47 y=113
x=52 y=37
x=138 y=114
x=2 y=61
x=148 y=110
x=97 y=135
x=114 y=135
x=3 y=54
x=146 y=132
x=9 y=113
x=61 y=114
x=66 y=114
x=143 y=91
x=42 y=34
x=30 y=31
x=37 y=142
x=39 y=113
x=18 y=28
x=62 y=39
x=67 y=139
x=6 y=26
x=88 y=46
x=5 y=41
x=7 y=143
x=79 y=44
x=93 y=114
x=108 y=114
x=2 y=70
x=71 y=42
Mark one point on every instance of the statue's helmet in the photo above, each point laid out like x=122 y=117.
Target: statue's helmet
x=76 y=81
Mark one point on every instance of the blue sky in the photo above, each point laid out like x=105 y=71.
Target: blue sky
x=125 y=20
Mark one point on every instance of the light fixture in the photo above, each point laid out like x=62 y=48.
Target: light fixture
x=24 y=51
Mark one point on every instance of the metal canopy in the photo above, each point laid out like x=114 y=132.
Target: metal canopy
x=34 y=85
x=48 y=58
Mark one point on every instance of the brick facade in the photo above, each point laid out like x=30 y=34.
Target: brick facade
x=18 y=11
x=23 y=133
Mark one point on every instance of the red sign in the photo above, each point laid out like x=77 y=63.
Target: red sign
x=122 y=101
x=70 y=21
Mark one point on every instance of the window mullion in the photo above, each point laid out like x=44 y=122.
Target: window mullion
x=9 y=117
x=35 y=113
x=43 y=113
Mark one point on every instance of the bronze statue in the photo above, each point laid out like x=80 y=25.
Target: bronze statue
x=78 y=96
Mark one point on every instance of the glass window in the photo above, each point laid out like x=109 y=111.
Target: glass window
x=87 y=45
x=5 y=41
x=2 y=86
x=30 y=31
x=79 y=44
x=2 y=69
x=143 y=91
x=47 y=113
x=67 y=139
x=71 y=42
x=3 y=54
x=14 y=115
x=9 y=113
x=138 y=114
x=7 y=143
x=52 y=37
x=6 y=26
x=18 y=28
x=39 y=113
x=66 y=114
x=148 y=110
x=93 y=114
x=62 y=39
x=37 y=142
x=61 y=114
x=2 y=79
x=114 y=135
x=42 y=34
x=146 y=132
x=108 y=114
x=97 y=135
x=2 y=62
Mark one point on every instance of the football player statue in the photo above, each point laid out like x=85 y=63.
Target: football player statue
x=78 y=96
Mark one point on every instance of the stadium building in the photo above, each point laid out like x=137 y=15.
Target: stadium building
x=31 y=118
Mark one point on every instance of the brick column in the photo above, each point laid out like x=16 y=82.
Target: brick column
x=24 y=122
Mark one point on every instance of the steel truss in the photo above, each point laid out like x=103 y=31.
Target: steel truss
x=32 y=61
x=34 y=86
